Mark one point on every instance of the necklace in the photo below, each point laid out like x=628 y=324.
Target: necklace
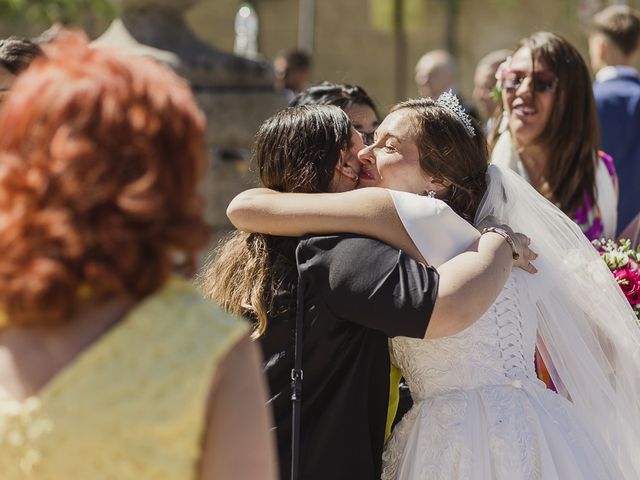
x=535 y=172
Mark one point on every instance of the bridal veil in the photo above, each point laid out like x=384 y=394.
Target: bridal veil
x=587 y=332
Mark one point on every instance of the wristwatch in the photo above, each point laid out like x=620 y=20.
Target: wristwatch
x=504 y=234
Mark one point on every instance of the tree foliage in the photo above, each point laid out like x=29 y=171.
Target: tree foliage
x=67 y=12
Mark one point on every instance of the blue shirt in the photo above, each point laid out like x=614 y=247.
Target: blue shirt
x=618 y=104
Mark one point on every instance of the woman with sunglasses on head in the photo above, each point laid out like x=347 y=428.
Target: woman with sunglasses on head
x=352 y=99
x=549 y=132
x=549 y=135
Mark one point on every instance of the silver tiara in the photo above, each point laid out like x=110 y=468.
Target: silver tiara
x=449 y=101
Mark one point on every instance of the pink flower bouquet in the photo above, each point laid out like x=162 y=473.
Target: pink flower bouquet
x=623 y=261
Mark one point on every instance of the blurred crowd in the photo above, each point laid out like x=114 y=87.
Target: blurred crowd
x=613 y=58
x=112 y=365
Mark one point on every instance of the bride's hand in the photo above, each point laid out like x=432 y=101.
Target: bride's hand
x=525 y=255
x=520 y=244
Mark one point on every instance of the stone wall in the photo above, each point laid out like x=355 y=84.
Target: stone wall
x=349 y=49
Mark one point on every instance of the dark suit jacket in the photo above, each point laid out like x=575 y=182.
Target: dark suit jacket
x=618 y=104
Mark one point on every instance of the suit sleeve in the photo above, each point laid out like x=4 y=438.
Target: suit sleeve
x=368 y=282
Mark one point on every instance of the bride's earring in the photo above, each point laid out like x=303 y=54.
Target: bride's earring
x=431 y=194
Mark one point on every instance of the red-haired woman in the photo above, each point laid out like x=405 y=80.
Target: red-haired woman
x=110 y=366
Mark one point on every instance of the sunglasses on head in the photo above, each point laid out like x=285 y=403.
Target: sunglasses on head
x=542 y=81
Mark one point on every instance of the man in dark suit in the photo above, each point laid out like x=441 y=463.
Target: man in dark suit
x=614 y=47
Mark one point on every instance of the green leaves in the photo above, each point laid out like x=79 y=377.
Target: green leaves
x=67 y=12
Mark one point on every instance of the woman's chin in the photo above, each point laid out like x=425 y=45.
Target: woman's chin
x=524 y=134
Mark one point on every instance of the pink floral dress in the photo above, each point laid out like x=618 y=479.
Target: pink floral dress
x=589 y=216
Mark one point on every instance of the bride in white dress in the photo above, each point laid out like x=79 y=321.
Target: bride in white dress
x=479 y=411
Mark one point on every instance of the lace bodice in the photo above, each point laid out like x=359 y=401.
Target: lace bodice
x=497 y=349
x=481 y=413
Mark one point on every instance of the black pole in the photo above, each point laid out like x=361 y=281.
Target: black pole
x=400 y=50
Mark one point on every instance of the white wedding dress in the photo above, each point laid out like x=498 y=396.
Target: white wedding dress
x=479 y=410
x=481 y=413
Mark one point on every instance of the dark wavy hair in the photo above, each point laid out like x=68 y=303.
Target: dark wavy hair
x=296 y=150
x=338 y=94
x=16 y=54
x=100 y=157
x=571 y=135
x=450 y=154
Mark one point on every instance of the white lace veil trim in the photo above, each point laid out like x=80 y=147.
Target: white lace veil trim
x=587 y=332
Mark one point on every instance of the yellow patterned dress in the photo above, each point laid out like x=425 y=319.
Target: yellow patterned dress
x=131 y=406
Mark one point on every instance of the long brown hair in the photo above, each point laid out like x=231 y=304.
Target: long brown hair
x=450 y=154
x=296 y=150
x=571 y=134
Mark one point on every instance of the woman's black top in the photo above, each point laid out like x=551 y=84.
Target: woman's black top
x=358 y=292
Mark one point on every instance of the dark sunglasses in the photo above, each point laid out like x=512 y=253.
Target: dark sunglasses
x=367 y=138
x=542 y=81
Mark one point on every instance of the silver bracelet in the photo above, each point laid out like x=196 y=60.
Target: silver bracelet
x=504 y=234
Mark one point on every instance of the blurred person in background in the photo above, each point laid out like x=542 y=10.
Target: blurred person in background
x=436 y=73
x=547 y=131
x=111 y=364
x=484 y=82
x=293 y=71
x=614 y=48
x=352 y=99
x=16 y=54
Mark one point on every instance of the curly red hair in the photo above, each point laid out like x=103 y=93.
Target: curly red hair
x=100 y=157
